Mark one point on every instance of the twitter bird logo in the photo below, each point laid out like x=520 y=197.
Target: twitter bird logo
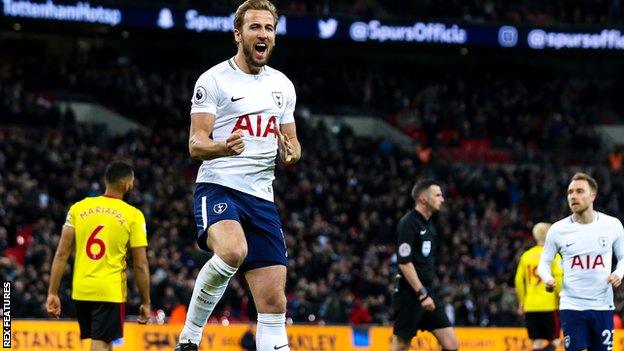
x=327 y=28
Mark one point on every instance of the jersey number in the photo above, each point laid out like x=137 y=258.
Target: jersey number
x=533 y=274
x=93 y=240
x=608 y=341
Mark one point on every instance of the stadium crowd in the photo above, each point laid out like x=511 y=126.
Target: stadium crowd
x=339 y=205
x=438 y=105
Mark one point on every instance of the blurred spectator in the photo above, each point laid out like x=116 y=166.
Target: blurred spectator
x=340 y=231
x=344 y=197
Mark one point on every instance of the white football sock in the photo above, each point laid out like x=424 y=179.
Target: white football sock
x=271 y=332
x=211 y=282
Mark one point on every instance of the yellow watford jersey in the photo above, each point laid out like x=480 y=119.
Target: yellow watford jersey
x=105 y=227
x=530 y=288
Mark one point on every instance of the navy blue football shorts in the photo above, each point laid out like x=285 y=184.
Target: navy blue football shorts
x=590 y=329
x=259 y=218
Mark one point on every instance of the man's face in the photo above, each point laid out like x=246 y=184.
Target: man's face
x=433 y=197
x=256 y=37
x=580 y=196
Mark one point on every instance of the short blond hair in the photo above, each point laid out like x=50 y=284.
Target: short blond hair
x=593 y=184
x=540 y=230
x=253 y=5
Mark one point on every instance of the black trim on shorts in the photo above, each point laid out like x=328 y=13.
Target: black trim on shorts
x=100 y=320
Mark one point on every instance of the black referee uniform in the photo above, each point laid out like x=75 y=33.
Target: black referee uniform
x=417 y=244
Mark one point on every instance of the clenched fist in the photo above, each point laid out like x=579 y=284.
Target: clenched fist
x=235 y=143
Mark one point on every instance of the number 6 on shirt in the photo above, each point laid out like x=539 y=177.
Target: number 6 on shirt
x=93 y=240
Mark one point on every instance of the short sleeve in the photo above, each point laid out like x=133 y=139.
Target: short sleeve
x=406 y=240
x=291 y=101
x=519 y=280
x=70 y=220
x=138 y=231
x=544 y=268
x=618 y=248
x=205 y=95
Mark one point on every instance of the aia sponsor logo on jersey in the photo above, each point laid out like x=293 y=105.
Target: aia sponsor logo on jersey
x=257 y=125
x=587 y=262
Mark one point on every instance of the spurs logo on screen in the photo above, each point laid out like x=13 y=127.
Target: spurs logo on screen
x=219 y=208
x=165 y=18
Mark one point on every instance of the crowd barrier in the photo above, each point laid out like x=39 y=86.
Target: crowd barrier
x=64 y=335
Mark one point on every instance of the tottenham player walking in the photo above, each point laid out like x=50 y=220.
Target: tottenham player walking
x=586 y=241
x=241 y=117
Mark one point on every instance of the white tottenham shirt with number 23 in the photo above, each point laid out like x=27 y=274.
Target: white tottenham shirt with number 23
x=257 y=104
x=587 y=251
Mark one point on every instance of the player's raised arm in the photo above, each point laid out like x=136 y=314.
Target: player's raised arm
x=203 y=111
x=544 y=269
x=202 y=147
x=615 y=278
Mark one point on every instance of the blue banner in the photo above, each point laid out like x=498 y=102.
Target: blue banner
x=373 y=30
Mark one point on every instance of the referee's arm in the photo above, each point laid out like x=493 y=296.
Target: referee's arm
x=409 y=273
x=406 y=236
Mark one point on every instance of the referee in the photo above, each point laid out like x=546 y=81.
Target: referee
x=415 y=305
x=538 y=306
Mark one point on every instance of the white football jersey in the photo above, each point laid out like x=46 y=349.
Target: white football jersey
x=257 y=104
x=587 y=251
